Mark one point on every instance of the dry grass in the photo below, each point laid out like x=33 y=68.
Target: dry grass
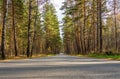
x=25 y=57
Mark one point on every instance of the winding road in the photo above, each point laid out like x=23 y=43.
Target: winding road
x=60 y=67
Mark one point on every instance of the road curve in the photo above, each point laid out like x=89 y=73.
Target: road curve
x=60 y=67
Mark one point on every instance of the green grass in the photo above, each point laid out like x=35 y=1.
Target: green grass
x=101 y=56
x=51 y=55
x=116 y=57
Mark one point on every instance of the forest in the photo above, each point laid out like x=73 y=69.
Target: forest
x=91 y=26
x=31 y=27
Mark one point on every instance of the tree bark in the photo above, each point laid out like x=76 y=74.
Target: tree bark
x=84 y=26
x=3 y=30
x=29 y=27
x=14 y=29
x=35 y=23
x=115 y=24
x=100 y=23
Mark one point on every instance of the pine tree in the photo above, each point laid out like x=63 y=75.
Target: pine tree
x=51 y=26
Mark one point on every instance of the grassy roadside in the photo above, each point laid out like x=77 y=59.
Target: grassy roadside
x=24 y=57
x=102 y=56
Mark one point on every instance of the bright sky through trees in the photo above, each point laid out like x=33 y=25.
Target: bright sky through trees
x=58 y=4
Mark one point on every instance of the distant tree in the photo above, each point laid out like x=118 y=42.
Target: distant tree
x=51 y=25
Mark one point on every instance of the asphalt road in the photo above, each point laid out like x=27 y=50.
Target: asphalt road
x=60 y=67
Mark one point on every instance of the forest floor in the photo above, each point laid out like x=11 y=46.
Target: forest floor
x=25 y=57
x=60 y=67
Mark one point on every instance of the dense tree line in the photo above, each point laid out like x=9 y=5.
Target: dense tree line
x=31 y=27
x=28 y=27
x=91 y=26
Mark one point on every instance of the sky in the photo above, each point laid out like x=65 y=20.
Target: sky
x=58 y=4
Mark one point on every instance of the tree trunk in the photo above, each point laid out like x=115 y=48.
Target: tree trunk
x=84 y=27
x=3 y=30
x=29 y=27
x=14 y=30
x=35 y=23
x=115 y=24
x=94 y=27
x=100 y=23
